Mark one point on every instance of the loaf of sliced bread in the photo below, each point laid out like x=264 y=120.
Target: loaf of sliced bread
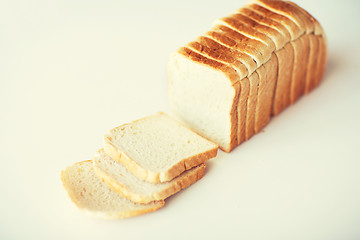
x=157 y=148
x=262 y=58
x=95 y=197
x=120 y=180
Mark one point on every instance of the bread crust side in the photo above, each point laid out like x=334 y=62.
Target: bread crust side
x=311 y=75
x=234 y=119
x=285 y=58
x=176 y=185
x=322 y=61
x=267 y=81
x=132 y=213
x=242 y=109
x=251 y=105
x=301 y=58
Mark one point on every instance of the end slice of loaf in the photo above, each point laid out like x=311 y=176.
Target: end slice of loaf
x=157 y=148
x=120 y=180
x=95 y=197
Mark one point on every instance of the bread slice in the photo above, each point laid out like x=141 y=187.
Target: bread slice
x=242 y=109
x=120 y=180
x=240 y=62
x=251 y=105
x=285 y=58
x=95 y=197
x=301 y=58
x=157 y=148
x=321 y=62
x=192 y=76
x=267 y=81
x=311 y=66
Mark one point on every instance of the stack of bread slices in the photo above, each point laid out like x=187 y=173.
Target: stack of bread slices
x=228 y=83
x=142 y=163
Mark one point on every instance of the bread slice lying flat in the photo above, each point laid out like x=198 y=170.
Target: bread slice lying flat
x=120 y=180
x=95 y=197
x=157 y=148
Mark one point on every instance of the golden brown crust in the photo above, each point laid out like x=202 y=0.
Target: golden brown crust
x=239 y=25
x=285 y=58
x=227 y=70
x=217 y=52
x=301 y=56
x=243 y=55
x=234 y=119
x=176 y=185
x=242 y=109
x=322 y=60
x=311 y=76
x=133 y=213
x=286 y=9
x=255 y=48
x=263 y=19
x=293 y=29
x=251 y=105
x=276 y=37
x=267 y=81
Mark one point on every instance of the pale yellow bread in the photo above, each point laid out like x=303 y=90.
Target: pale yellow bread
x=96 y=198
x=157 y=148
x=120 y=180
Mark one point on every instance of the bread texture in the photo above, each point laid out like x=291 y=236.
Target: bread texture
x=95 y=197
x=120 y=180
x=157 y=148
x=253 y=63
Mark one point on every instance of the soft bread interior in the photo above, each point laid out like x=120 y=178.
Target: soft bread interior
x=203 y=97
x=95 y=197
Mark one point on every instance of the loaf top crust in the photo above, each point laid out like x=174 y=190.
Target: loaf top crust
x=240 y=43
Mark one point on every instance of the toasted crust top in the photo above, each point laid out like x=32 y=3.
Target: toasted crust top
x=250 y=35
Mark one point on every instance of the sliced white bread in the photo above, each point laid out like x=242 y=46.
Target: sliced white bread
x=193 y=78
x=120 y=180
x=95 y=197
x=261 y=31
x=157 y=148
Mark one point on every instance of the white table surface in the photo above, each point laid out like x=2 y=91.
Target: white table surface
x=71 y=70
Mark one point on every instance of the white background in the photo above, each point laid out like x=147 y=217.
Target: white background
x=71 y=70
